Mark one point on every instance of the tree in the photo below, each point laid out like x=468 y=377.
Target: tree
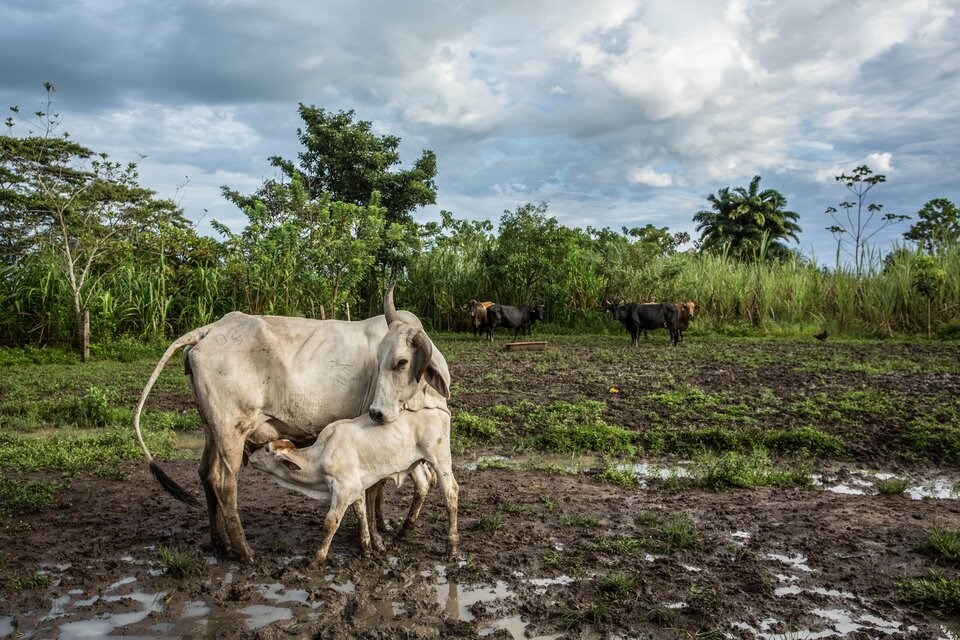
x=529 y=255
x=748 y=223
x=345 y=160
x=938 y=226
x=77 y=202
x=859 y=215
x=298 y=251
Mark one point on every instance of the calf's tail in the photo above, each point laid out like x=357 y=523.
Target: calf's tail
x=168 y=483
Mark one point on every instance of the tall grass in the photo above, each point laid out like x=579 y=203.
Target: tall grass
x=155 y=300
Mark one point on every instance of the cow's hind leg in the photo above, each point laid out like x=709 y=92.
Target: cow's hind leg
x=222 y=474
x=218 y=535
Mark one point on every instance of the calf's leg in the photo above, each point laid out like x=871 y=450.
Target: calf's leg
x=424 y=477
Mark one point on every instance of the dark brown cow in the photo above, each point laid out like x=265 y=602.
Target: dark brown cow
x=478 y=315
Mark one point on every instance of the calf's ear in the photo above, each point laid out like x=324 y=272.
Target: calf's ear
x=287 y=462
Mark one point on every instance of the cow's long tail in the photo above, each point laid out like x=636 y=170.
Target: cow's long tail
x=166 y=481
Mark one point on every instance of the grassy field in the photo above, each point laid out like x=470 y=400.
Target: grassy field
x=715 y=414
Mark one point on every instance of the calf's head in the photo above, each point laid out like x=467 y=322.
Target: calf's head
x=290 y=467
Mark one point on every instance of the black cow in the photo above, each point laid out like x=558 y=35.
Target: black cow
x=521 y=319
x=637 y=317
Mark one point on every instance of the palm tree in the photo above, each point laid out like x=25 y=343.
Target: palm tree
x=747 y=222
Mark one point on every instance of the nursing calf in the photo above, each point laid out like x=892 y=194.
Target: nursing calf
x=408 y=423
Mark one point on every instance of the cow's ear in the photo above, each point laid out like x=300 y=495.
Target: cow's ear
x=436 y=380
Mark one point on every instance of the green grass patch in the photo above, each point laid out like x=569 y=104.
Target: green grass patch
x=735 y=470
x=677 y=532
x=892 y=486
x=615 y=585
x=934 y=593
x=564 y=427
x=580 y=521
x=930 y=438
x=26 y=496
x=800 y=441
x=97 y=452
x=620 y=476
x=491 y=523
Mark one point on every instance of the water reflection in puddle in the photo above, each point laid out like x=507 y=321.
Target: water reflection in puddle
x=860 y=482
x=857 y=482
x=838 y=623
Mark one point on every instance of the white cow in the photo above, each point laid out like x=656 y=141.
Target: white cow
x=408 y=423
x=259 y=378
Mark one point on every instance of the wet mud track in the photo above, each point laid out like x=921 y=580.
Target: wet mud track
x=543 y=554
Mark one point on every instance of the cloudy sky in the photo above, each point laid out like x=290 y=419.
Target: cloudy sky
x=616 y=113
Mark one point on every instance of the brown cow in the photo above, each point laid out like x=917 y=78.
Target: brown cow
x=685 y=311
x=478 y=315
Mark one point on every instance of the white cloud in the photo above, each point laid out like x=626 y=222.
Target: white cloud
x=649 y=176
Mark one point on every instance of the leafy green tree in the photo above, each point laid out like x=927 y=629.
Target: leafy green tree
x=747 y=223
x=938 y=226
x=344 y=159
x=928 y=278
x=859 y=215
x=75 y=202
x=529 y=255
x=298 y=252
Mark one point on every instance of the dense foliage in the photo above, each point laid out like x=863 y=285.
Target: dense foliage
x=78 y=232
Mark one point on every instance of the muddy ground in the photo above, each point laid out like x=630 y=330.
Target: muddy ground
x=544 y=554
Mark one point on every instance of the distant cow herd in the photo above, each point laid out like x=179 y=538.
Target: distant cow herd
x=634 y=316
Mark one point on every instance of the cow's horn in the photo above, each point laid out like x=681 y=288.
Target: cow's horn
x=389 y=309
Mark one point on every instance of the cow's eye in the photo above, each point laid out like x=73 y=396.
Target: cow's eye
x=401 y=364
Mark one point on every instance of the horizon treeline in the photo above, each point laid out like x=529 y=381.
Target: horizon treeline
x=79 y=234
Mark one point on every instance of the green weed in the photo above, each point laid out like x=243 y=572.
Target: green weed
x=615 y=585
x=593 y=613
x=98 y=452
x=731 y=469
x=575 y=428
x=548 y=503
x=514 y=508
x=35 y=581
x=620 y=476
x=945 y=542
x=677 y=532
x=892 y=486
x=491 y=523
x=622 y=545
x=179 y=563
x=580 y=521
x=475 y=427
